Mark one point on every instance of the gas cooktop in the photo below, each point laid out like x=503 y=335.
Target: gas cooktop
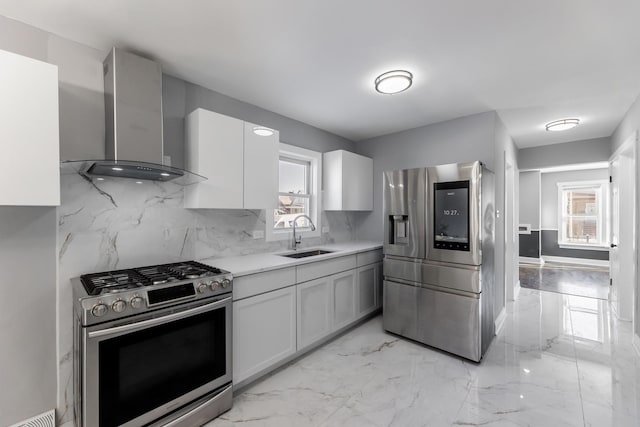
x=112 y=295
x=132 y=278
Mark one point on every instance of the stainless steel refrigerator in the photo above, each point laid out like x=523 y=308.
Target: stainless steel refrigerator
x=439 y=255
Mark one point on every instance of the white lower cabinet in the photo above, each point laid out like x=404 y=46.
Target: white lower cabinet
x=343 y=298
x=273 y=325
x=314 y=311
x=264 y=331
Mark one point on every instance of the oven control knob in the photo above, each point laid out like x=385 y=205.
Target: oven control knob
x=226 y=283
x=99 y=310
x=215 y=285
x=136 y=302
x=202 y=287
x=119 y=306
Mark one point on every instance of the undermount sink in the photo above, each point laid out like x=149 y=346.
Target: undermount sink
x=305 y=254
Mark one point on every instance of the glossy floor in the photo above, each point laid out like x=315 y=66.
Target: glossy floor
x=559 y=361
x=584 y=281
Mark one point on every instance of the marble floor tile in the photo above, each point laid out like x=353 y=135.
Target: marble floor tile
x=560 y=360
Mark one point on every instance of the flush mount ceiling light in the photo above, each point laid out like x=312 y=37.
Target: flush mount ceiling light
x=394 y=81
x=560 y=125
x=262 y=131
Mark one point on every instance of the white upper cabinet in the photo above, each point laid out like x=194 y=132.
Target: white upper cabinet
x=347 y=181
x=29 y=137
x=260 y=169
x=241 y=167
x=214 y=149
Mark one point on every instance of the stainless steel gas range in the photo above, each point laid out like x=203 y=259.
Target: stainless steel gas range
x=153 y=346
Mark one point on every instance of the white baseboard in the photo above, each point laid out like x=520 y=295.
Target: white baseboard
x=528 y=260
x=577 y=261
x=636 y=343
x=499 y=322
x=516 y=291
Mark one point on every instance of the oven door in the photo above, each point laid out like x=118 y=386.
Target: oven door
x=136 y=372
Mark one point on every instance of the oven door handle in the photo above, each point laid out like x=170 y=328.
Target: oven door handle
x=160 y=320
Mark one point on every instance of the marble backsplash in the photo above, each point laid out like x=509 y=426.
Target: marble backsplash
x=114 y=224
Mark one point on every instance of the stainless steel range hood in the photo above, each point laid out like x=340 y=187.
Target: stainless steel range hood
x=134 y=121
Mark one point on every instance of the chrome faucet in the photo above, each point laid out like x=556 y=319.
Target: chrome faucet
x=298 y=239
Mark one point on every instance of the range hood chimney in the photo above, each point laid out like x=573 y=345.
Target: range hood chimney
x=133 y=112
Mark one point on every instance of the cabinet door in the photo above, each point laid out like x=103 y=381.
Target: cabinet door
x=367 y=290
x=29 y=164
x=314 y=311
x=214 y=149
x=264 y=331
x=347 y=181
x=343 y=294
x=357 y=182
x=260 y=169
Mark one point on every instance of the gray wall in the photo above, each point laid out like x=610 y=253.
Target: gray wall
x=28 y=360
x=465 y=139
x=180 y=98
x=568 y=153
x=549 y=218
x=629 y=124
x=529 y=191
x=27 y=312
x=478 y=137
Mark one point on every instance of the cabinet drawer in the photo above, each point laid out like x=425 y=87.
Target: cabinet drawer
x=314 y=270
x=369 y=257
x=259 y=283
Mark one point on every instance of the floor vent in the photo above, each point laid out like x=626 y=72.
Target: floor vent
x=47 y=419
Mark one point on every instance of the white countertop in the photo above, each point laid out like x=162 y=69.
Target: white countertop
x=257 y=263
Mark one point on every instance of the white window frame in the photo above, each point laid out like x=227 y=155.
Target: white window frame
x=315 y=201
x=602 y=187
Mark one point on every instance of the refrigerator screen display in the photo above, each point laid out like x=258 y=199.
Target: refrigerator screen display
x=451 y=215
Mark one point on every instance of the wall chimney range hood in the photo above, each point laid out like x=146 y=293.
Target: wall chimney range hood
x=133 y=113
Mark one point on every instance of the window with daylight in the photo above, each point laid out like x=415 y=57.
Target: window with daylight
x=582 y=220
x=298 y=190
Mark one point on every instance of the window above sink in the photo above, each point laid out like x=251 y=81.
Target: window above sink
x=298 y=194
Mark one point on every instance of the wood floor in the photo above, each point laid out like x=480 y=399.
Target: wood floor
x=586 y=281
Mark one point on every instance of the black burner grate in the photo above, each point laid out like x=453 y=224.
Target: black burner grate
x=122 y=280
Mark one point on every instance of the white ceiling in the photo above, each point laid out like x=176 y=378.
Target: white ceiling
x=315 y=61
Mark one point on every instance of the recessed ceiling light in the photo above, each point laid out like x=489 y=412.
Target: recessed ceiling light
x=139 y=182
x=100 y=179
x=394 y=81
x=560 y=125
x=116 y=169
x=165 y=174
x=262 y=131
